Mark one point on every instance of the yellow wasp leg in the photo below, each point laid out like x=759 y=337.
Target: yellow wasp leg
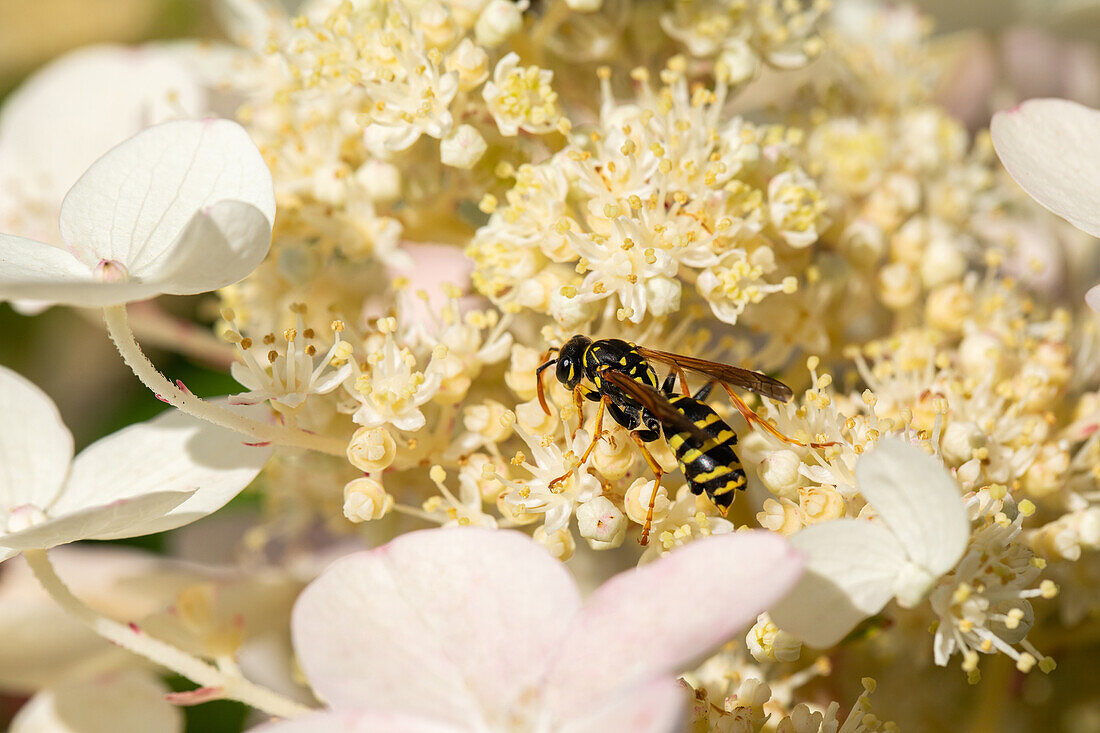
x=591 y=446
x=752 y=417
x=658 y=472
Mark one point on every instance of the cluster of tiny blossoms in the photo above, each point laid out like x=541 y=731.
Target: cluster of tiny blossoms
x=861 y=225
x=765 y=183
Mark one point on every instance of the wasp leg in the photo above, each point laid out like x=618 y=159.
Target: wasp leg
x=578 y=405
x=658 y=472
x=596 y=435
x=752 y=417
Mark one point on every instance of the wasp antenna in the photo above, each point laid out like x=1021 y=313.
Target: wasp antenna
x=538 y=379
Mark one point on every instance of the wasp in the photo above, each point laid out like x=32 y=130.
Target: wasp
x=626 y=387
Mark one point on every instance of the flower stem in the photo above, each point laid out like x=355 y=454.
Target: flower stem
x=118 y=328
x=130 y=637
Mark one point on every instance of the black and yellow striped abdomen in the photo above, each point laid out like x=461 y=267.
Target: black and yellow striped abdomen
x=711 y=467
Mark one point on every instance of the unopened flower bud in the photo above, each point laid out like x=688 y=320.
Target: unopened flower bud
x=532 y=418
x=486 y=420
x=960 y=440
x=982 y=354
x=463 y=148
x=499 y=20
x=614 y=457
x=942 y=262
x=663 y=295
x=737 y=63
x=780 y=516
x=637 y=501
x=779 y=472
x=470 y=62
x=768 y=643
x=520 y=376
x=948 y=307
x=365 y=499
x=897 y=286
x=560 y=544
x=381 y=180
x=371 y=449
x=601 y=523
x=819 y=504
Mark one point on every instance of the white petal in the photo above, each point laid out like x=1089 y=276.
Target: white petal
x=35 y=446
x=648 y=622
x=359 y=722
x=1092 y=297
x=221 y=244
x=447 y=623
x=38 y=271
x=138 y=203
x=121 y=702
x=171 y=452
x=119 y=518
x=77 y=107
x=1051 y=147
x=850 y=570
x=657 y=707
x=918 y=500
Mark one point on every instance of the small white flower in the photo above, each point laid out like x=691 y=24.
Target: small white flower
x=180 y=208
x=601 y=523
x=521 y=98
x=149 y=477
x=856 y=566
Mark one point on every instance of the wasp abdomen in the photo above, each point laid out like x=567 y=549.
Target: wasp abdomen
x=711 y=467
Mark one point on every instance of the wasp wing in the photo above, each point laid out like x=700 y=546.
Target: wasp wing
x=756 y=382
x=656 y=403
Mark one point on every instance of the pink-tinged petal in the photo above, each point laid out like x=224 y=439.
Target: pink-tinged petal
x=448 y=623
x=1051 y=147
x=120 y=702
x=119 y=518
x=171 y=452
x=358 y=722
x=40 y=274
x=649 y=622
x=138 y=204
x=655 y=707
x=35 y=446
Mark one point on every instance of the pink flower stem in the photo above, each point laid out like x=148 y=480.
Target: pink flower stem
x=118 y=328
x=130 y=636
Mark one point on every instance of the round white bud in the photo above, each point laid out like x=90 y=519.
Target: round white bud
x=943 y=262
x=470 y=62
x=601 y=523
x=982 y=354
x=560 y=544
x=637 y=501
x=371 y=449
x=779 y=472
x=463 y=148
x=960 y=439
x=737 y=63
x=365 y=499
x=898 y=286
x=499 y=20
